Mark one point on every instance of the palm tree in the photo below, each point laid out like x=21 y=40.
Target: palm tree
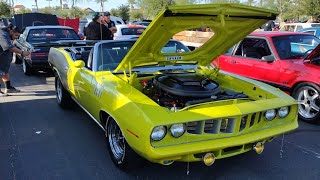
x=131 y=3
x=101 y=4
x=36 y=1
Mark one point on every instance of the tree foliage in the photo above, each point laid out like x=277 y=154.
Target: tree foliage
x=151 y=8
x=23 y=11
x=4 y=9
x=114 y=12
x=124 y=12
x=65 y=13
x=136 y=15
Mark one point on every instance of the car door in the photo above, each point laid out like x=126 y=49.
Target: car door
x=233 y=62
x=249 y=60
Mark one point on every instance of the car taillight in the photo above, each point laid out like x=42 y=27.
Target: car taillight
x=38 y=54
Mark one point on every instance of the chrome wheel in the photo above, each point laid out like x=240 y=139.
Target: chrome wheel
x=308 y=100
x=59 y=90
x=116 y=140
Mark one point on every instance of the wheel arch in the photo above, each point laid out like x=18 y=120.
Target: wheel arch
x=133 y=141
x=298 y=83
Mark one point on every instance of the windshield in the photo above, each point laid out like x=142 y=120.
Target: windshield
x=111 y=54
x=132 y=31
x=294 y=46
x=52 y=34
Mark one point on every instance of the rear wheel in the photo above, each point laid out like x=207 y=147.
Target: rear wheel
x=308 y=96
x=63 y=97
x=27 y=69
x=121 y=153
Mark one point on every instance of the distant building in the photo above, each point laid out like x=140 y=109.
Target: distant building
x=18 y=8
x=89 y=10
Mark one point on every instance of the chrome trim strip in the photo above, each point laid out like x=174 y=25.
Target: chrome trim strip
x=88 y=113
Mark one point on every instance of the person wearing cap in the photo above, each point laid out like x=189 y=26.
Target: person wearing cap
x=110 y=24
x=8 y=34
x=96 y=30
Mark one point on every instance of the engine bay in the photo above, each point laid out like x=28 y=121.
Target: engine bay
x=176 y=91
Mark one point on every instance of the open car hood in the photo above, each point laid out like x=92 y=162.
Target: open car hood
x=230 y=23
x=315 y=54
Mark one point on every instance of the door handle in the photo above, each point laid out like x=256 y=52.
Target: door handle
x=232 y=61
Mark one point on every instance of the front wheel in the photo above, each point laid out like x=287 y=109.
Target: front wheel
x=121 y=153
x=308 y=98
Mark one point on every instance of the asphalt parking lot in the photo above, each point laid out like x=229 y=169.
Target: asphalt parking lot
x=39 y=140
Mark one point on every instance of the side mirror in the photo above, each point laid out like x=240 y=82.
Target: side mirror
x=79 y=64
x=269 y=58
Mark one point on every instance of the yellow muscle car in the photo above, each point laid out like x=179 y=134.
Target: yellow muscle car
x=157 y=100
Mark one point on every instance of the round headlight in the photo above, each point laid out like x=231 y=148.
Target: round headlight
x=158 y=133
x=270 y=114
x=177 y=130
x=283 y=112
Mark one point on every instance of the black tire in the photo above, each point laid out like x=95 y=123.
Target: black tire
x=308 y=97
x=17 y=59
x=128 y=159
x=63 y=97
x=27 y=69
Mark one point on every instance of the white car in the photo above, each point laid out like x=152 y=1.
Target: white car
x=298 y=26
x=129 y=31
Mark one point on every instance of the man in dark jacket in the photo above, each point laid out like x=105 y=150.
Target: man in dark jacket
x=8 y=34
x=96 y=30
x=110 y=24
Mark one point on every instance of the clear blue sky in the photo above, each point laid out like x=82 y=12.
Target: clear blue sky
x=82 y=4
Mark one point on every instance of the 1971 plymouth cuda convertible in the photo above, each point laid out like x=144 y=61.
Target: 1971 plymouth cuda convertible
x=156 y=99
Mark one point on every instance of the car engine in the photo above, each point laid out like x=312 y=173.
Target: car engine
x=176 y=91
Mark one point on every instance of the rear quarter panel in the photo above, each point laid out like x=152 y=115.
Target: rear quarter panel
x=60 y=62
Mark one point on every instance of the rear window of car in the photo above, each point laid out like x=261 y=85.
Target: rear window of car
x=132 y=31
x=52 y=34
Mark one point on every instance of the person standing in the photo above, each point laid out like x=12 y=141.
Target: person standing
x=8 y=34
x=269 y=26
x=97 y=31
x=110 y=24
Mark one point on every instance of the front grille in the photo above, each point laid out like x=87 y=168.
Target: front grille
x=224 y=125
